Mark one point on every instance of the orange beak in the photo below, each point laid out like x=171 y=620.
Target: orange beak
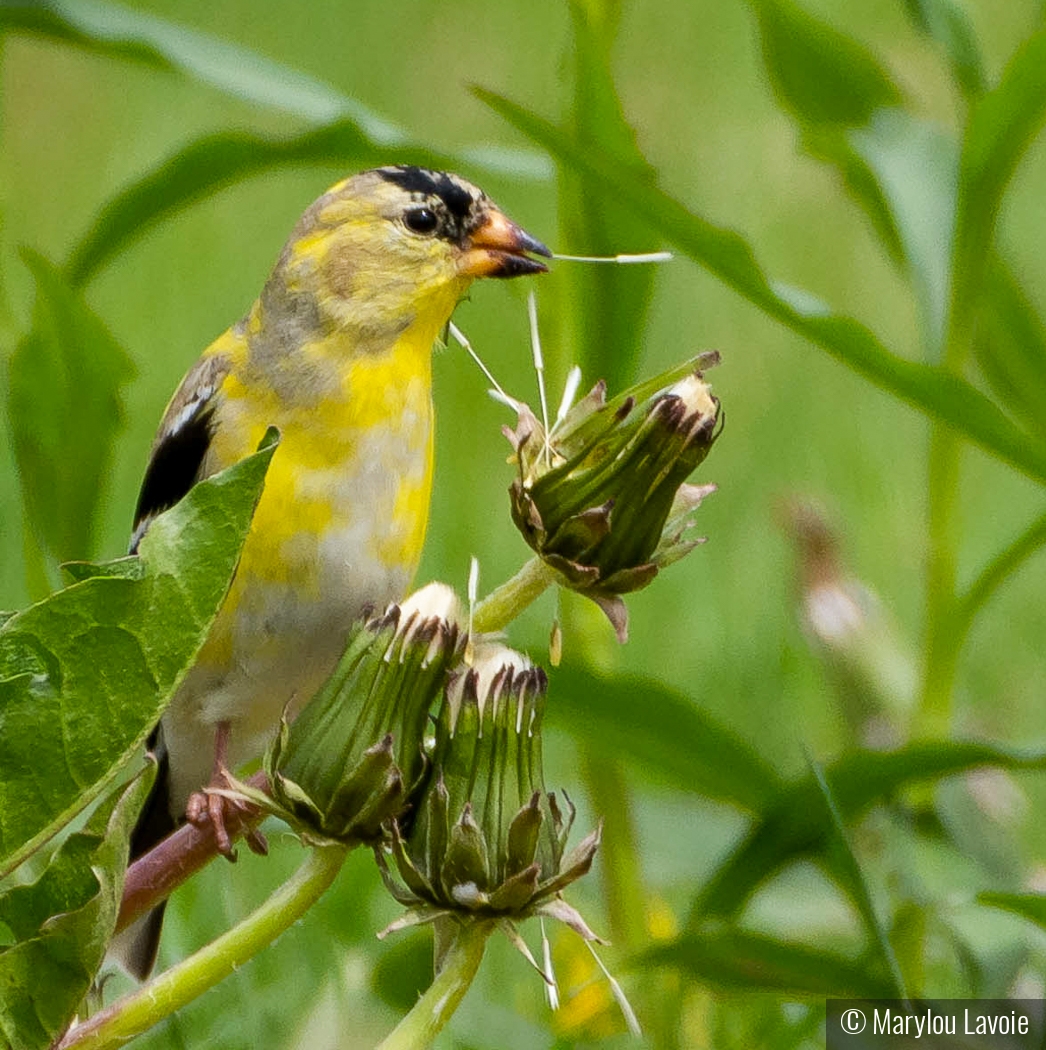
x=498 y=247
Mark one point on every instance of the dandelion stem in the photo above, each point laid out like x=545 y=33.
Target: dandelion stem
x=504 y=604
x=432 y=1011
x=180 y=985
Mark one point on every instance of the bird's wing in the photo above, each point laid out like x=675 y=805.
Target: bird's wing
x=175 y=465
x=181 y=444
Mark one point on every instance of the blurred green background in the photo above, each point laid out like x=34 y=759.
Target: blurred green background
x=722 y=627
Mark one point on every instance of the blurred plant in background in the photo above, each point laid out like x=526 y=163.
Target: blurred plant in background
x=732 y=864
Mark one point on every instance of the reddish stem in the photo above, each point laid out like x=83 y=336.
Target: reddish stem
x=153 y=877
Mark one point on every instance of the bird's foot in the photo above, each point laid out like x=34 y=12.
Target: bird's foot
x=215 y=807
x=218 y=805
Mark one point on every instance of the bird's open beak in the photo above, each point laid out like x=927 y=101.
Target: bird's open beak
x=498 y=247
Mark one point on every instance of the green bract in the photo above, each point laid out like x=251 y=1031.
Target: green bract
x=352 y=759
x=602 y=497
x=488 y=840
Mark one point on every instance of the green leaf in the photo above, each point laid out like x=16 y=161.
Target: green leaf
x=123 y=32
x=902 y=171
x=1002 y=125
x=728 y=256
x=1009 y=345
x=834 y=145
x=913 y=167
x=799 y=823
x=848 y=871
x=207 y=165
x=820 y=74
x=65 y=411
x=607 y=304
x=86 y=673
x=946 y=22
x=662 y=731
x=735 y=959
x=62 y=923
x=1031 y=906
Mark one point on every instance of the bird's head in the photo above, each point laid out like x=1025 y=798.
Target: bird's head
x=397 y=246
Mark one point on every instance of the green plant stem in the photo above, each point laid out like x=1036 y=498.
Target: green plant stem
x=432 y=1011
x=180 y=985
x=943 y=641
x=506 y=602
x=942 y=651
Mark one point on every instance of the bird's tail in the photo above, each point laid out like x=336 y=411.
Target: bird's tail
x=135 y=948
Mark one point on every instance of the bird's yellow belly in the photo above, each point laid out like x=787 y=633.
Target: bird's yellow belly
x=339 y=528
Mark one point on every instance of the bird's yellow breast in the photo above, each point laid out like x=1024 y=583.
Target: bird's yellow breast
x=343 y=514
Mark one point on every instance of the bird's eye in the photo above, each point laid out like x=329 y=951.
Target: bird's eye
x=421 y=220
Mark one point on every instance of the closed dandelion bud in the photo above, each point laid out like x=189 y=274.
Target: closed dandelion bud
x=603 y=497
x=350 y=761
x=488 y=841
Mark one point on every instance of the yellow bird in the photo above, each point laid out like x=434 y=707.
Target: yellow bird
x=336 y=353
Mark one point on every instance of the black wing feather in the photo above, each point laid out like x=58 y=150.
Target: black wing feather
x=181 y=446
x=173 y=469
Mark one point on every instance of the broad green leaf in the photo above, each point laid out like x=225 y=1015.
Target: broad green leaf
x=799 y=823
x=1002 y=125
x=65 y=411
x=1009 y=345
x=848 y=871
x=215 y=161
x=736 y=959
x=127 y=33
x=62 y=923
x=818 y=72
x=608 y=303
x=663 y=732
x=1030 y=906
x=946 y=22
x=728 y=256
x=86 y=673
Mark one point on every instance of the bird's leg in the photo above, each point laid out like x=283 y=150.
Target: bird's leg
x=208 y=807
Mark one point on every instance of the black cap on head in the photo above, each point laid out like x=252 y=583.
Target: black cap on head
x=457 y=199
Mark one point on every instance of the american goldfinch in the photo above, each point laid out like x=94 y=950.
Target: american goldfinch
x=336 y=353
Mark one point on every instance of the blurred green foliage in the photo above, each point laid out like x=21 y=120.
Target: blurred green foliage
x=154 y=159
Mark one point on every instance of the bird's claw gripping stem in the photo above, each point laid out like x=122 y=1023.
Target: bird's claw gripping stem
x=210 y=806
